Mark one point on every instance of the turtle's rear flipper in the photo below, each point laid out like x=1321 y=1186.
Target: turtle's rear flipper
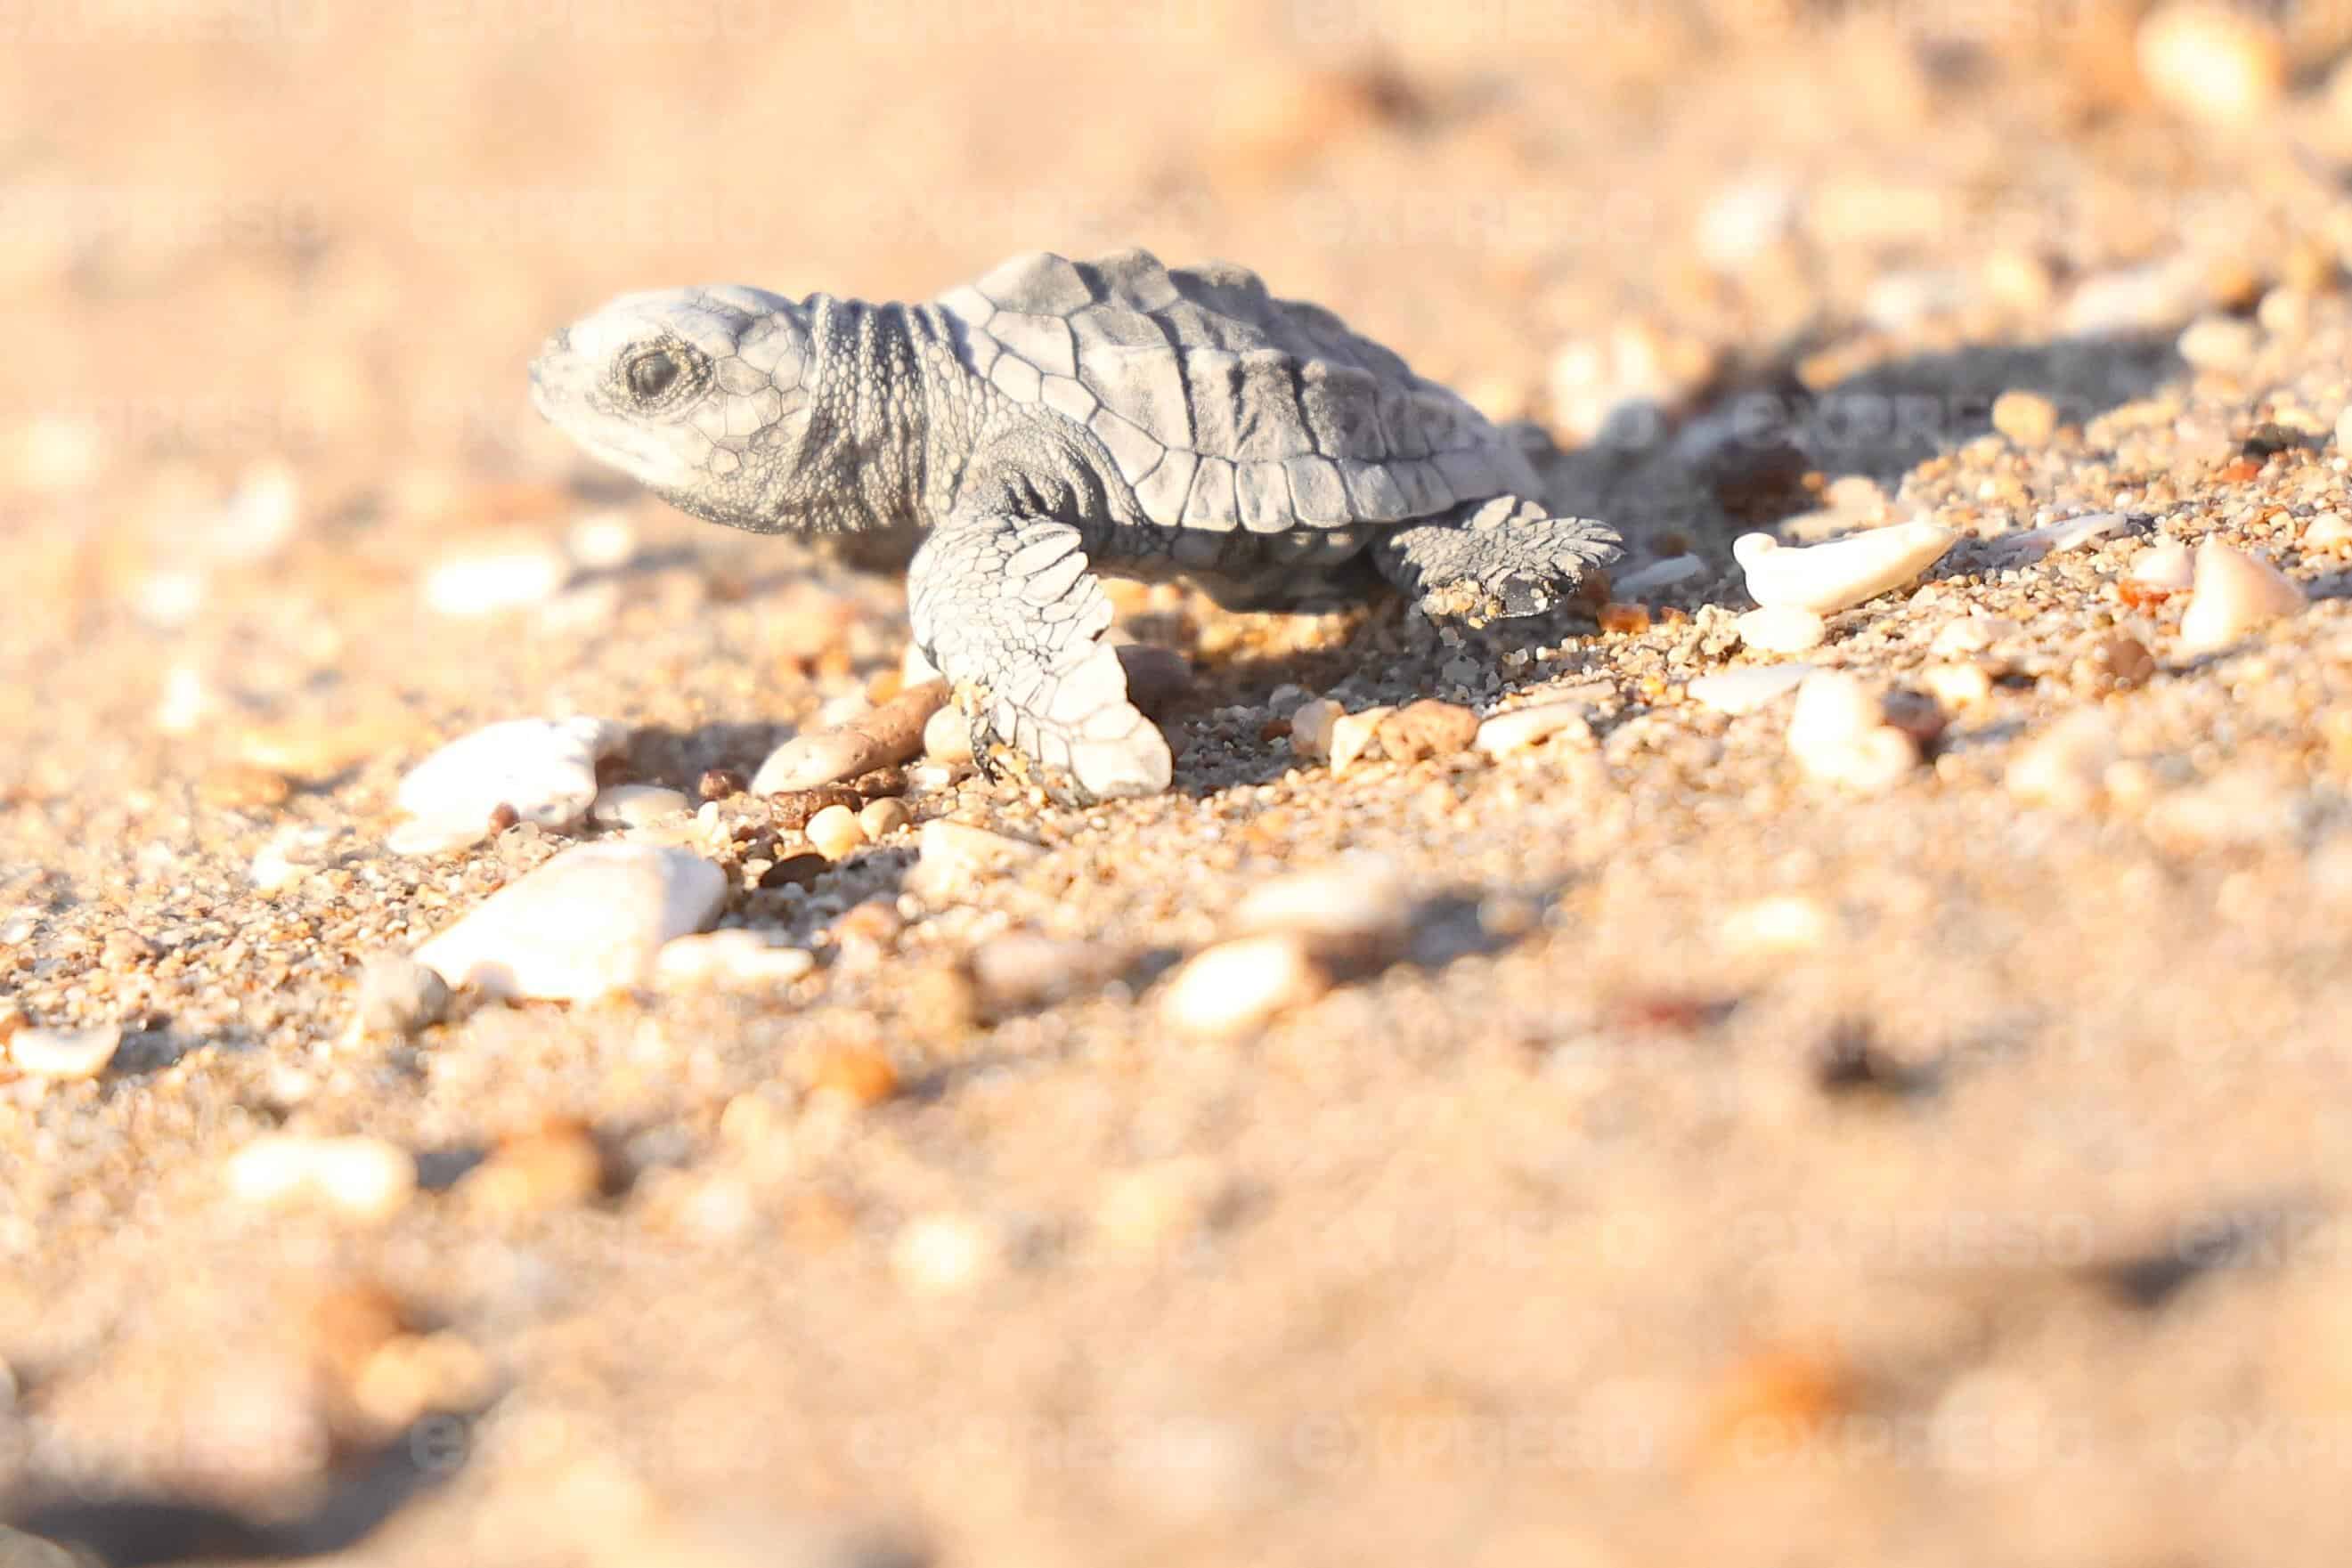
x=1495 y=558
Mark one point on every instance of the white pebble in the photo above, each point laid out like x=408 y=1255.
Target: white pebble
x=729 y=958
x=2328 y=531
x=884 y=817
x=1837 y=733
x=637 y=805
x=813 y=760
x=2066 y=765
x=2164 y=564
x=2234 y=594
x=1358 y=904
x=1957 y=686
x=939 y=1254
x=590 y=921
x=544 y=768
x=1782 y=629
x=953 y=859
x=293 y=852
x=1746 y=689
x=64 y=1052
x=1236 y=986
x=835 y=832
x=1658 y=574
x=1310 y=727
x=1352 y=735
x=364 y=1179
x=1822 y=578
x=491 y=581
x=2222 y=343
x=187 y=701
x=2211 y=61
x=947 y=735
x=1529 y=726
x=1972 y=634
x=1783 y=923
x=603 y=542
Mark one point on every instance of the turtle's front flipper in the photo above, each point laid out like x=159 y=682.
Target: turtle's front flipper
x=1003 y=606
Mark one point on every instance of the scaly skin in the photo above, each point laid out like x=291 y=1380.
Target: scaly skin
x=906 y=430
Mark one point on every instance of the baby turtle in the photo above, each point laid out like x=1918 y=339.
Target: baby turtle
x=1056 y=418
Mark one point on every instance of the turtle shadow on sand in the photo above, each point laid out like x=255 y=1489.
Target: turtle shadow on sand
x=1742 y=456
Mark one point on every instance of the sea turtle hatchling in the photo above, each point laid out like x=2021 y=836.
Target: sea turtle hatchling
x=1016 y=434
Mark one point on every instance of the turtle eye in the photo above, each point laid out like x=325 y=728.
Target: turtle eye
x=653 y=375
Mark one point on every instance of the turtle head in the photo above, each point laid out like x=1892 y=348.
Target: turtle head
x=695 y=392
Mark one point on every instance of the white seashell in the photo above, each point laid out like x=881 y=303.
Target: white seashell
x=2164 y=564
x=590 y=921
x=2234 y=594
x=2071 y=534
x=544 y=768
x=1822 y=578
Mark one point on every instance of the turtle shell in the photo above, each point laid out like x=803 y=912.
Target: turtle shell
x=1224 y=407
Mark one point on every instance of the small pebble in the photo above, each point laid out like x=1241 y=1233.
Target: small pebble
x=1353 y=736
x=2065 y=766
x=2119 y=662
x=954 y=860
x=2027 y=418
x=882 y=818
x=794 y=810
x=1358 y=907
x=2222 y=343
x=941 y=1254
x=1780 y=629
x=734 y=957
x=1827 y=577
x=835 y=832
x=1972 y=634
x=1427 y=728
x=360 y=1178
x=293 y=852
x=590 y=921
x=1235 y=986
x=1837 y=733
x=856 y=1074
x=2327 y=531
x=556 y=1165
x=1522 y=728
x=1746 y=689
x=720 y=784
x=545 y=771
x=1310 y=727
x=399 y=996
x=637 y=805
x=1958 y=685
x=2233 y=594
x=1783 y=923
x=947 y=735
x=64 y=1052
x=2214 y=63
